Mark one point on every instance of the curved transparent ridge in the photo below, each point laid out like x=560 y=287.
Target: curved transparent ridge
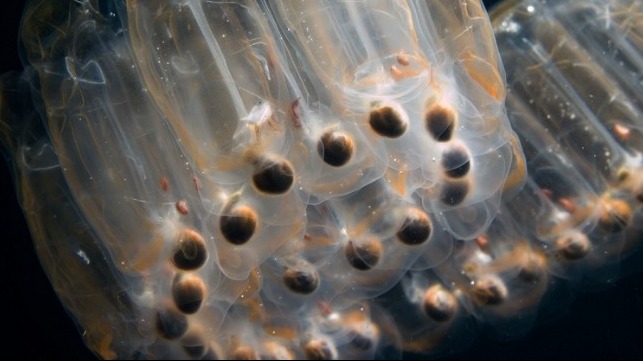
x=319 y=179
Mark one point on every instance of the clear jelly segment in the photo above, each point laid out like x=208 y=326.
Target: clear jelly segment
x=249 y=179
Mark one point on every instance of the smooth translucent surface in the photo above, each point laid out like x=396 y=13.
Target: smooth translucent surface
x=302 y=179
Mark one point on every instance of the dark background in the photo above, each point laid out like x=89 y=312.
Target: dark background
x=600 y=325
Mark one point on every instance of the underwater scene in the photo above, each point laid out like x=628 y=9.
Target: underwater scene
x=323 y=179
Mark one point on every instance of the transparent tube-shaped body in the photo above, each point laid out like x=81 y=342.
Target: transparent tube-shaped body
x=323 y=179
x=249 y=176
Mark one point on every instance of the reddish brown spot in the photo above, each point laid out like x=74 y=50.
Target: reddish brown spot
x=182 y=207
x=296 y=113
x=324 y=308
x=396 y=73
x=622 y=132
x=482 y=241
x=165 y=184
x=197 y=184
x=567 y=204
x=402 y=58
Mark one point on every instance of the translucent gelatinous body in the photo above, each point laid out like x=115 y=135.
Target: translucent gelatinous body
x=314 y=179
x=578 y=115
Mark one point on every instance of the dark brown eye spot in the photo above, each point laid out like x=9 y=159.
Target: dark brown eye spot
x=440 y=122
x=319 y=350
x=170 y=323
x=453 y=193
x=489 y=291
x=439 y=304
x=387 y=122
x=533 y=269
x=301 y=281
x=194 y=345
x=456 y=162
x=360 y=341
x=244 y=353
x=190 y=252
x=615 y=215
x=239 y=226
x=364 y=255
x=335 y=148
x=573 y=246
x=188 y=293
x=416 y=228
x=274 y=177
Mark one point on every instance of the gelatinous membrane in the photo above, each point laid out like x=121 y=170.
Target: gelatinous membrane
x=578 y=116
x=321 y=179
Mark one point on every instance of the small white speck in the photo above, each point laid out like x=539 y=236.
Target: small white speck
x=82 y=255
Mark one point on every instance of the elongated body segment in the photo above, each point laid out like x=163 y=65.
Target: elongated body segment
x=323 y=179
